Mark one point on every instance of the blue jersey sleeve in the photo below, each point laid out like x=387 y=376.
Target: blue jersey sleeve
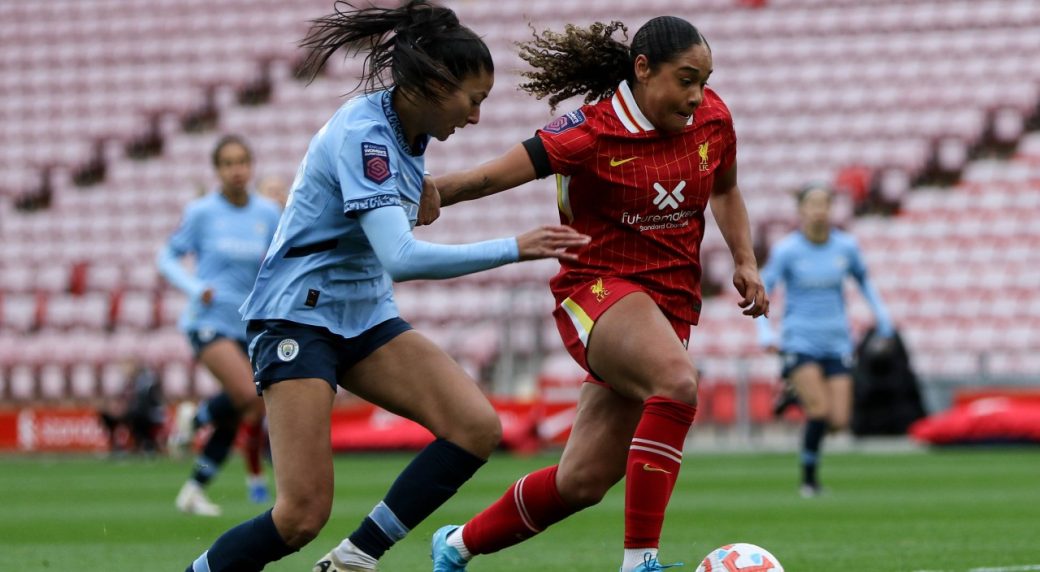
x=184 y=241
x=365 y=165
x=771 y=274
x=406 y=258
x=858 y=269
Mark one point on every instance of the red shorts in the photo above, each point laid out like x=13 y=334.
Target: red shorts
x=576 y=315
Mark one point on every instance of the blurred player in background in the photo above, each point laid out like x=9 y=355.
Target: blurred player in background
x=227 y=232
x=815 y=342
x=322 y=312
x=139 y=409
x=635 y=171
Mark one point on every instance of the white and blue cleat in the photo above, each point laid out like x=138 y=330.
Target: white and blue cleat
x=651 y=564
x=446 y=558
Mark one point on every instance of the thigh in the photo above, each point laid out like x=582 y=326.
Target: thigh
x=597 y=450
x=298 y=417
x=839 y=388
x=635 y=349
x=225 y=359
x=809 y=383
x=412 y=377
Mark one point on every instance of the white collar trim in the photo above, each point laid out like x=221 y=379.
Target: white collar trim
x=633 y=119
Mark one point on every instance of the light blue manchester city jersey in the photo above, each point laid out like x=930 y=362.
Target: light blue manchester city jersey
x=815 y=320
x=228 y=243
x=321 y=269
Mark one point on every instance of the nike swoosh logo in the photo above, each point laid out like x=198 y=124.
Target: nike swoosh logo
x=653 y=469
x=614 y=162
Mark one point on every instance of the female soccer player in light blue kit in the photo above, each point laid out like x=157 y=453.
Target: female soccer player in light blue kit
x=322 y=312
x=815 y=342
x=227 y=231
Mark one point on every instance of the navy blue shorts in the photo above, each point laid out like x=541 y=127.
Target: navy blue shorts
x=280 y=350
x=201 y=338
x=831 y=365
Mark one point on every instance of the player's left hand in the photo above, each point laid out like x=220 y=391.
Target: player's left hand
x=753 y=292
x=429 y=202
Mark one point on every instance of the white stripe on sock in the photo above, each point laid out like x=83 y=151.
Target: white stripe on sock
x=518 y=498
x=677 y=460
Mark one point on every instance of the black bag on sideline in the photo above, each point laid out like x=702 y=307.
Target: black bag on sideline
x=886 y=394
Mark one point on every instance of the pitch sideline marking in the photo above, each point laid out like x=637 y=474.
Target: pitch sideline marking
x=1021 y=568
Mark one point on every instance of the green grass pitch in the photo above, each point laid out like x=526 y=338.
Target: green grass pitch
x=950 y=511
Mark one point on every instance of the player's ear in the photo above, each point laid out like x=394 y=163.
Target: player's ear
x=642 y=68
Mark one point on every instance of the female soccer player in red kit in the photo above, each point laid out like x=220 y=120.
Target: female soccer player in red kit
x=635 y=171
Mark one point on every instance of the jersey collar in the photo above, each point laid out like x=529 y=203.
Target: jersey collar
x=387 y=101
x=628 y=111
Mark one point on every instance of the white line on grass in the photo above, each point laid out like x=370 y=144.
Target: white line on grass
x=1021 y=568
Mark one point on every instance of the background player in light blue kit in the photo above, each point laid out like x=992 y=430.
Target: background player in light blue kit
x=322 y=312
x=815 y=342
x=227 y=232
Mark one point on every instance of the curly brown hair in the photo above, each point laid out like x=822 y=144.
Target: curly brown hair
x=590 y=61
x=578 y=61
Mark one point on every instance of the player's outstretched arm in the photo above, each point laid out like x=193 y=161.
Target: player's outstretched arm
x=509 y=170
x=727 y=205
x=406 y=258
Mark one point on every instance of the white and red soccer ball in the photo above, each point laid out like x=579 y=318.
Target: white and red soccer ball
x=740 y=557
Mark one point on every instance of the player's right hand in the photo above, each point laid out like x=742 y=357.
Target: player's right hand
x=550 y=241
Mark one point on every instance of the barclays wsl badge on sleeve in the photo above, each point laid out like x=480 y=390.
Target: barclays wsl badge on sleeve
x=375 y=161
x=565 y=122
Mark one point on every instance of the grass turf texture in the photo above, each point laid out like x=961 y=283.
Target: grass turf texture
x=948 y=510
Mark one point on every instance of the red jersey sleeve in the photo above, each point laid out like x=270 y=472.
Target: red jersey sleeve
x=570 y=141
x=729 y=137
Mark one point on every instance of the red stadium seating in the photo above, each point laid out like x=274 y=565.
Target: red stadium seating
x=811 y=85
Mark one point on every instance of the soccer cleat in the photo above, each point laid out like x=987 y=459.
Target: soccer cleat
x=786 y=399
x=329 y=563
x=256 y=487
x=809 y=491
x=192 y=500
x=183 y=429
x=651 y=564
x=446 y=558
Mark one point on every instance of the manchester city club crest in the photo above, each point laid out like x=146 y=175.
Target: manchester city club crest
x=288 y=349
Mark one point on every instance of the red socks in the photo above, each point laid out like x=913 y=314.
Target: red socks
x=653 y=467
x=528 y=507
x=533 y=503
x=252 y=441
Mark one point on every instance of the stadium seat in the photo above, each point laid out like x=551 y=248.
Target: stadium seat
x=801 y=113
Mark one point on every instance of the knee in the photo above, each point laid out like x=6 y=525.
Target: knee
x=253 y=411
x=817 y=409
x=299 y=522
x=679 y=385
x=838 y=423
x=582 y=489
x=480 y=434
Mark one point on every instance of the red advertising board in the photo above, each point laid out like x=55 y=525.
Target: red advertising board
x=51 y=429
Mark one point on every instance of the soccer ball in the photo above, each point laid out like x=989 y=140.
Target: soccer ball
x=740 y=557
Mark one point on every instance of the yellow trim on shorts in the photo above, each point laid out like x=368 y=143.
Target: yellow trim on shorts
x=582 y=322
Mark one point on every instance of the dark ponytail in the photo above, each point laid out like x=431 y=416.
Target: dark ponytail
x=420 y=47
x=589 y=61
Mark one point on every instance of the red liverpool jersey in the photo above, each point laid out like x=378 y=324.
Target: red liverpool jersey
x=640 y=194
